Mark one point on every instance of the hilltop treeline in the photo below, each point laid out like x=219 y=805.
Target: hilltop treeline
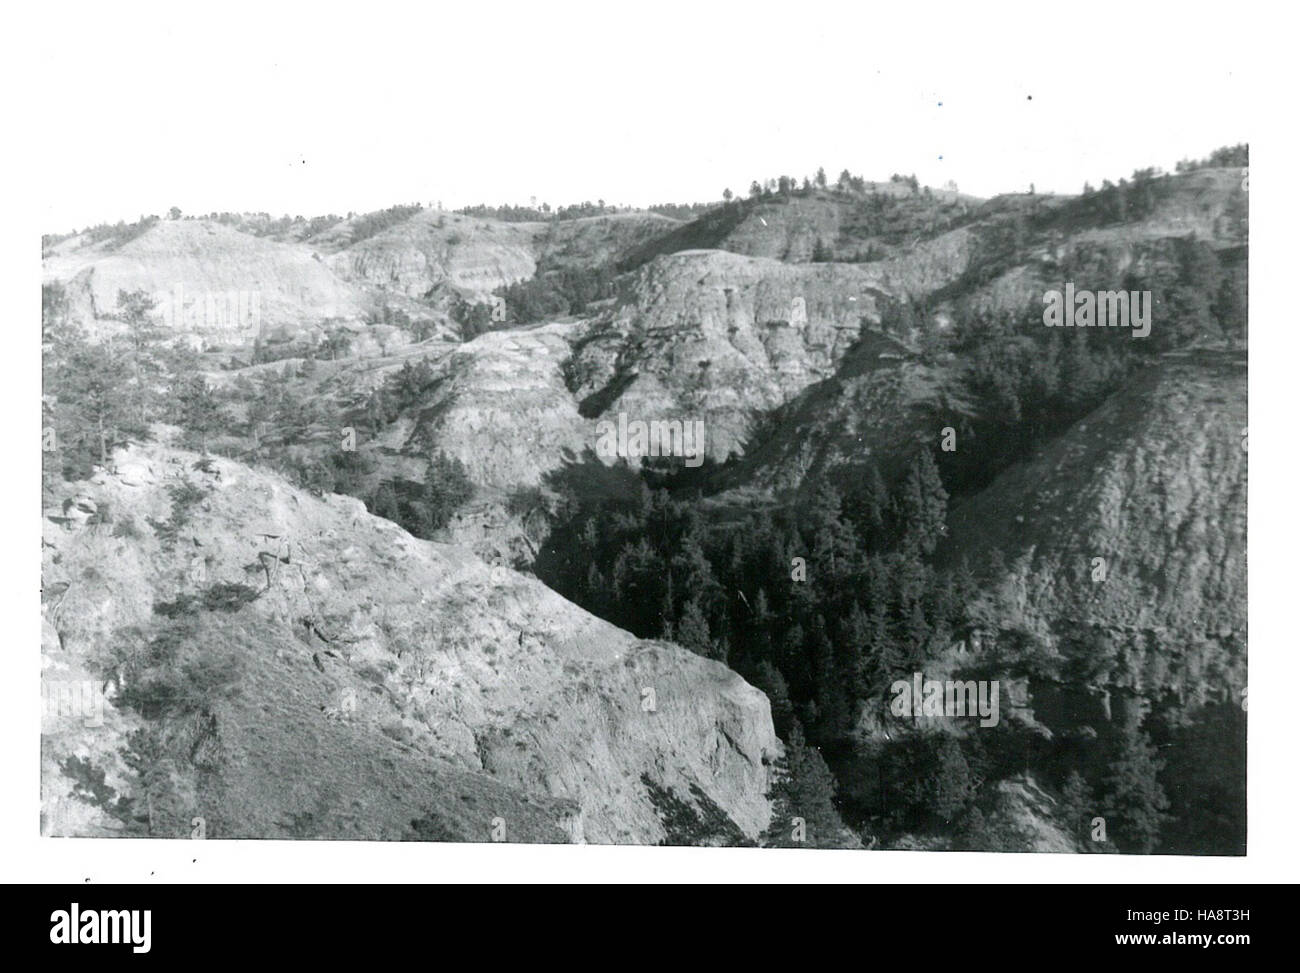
x=1227 y=157
x=544 y=213
x=362 y=227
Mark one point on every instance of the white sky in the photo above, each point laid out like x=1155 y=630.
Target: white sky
x=313 y=109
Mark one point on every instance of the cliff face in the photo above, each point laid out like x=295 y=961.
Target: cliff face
x=874 y=411
x=434 y=248
x=704 y=335
x=197 y=271
x=714 y=336
x=476 y=256
x=872 y=222
x=191 y=268
x=500 y=405
x=1074 y=239
x=381 y=678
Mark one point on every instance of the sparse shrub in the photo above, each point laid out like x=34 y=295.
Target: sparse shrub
x=182 y=606
x=432 y=826
x=185 y=497
x=90 y=786
x=127 y=527
x=193 y=681
x=397 y=731
x=224 y=596
x=228 y=596
x=474 y=318
x=301 y=824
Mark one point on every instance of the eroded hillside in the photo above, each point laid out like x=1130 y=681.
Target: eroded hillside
x=338 y=635
x=1134 y=522
x=713 y=336
x=200 y=263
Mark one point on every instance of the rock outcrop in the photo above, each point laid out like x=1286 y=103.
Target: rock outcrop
x=471 y=256
x=500 y=406
x=713 y=336
x=209 y=280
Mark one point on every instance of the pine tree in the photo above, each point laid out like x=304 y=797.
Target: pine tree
x=872 y=504
x=1077 y=806
x=855 y=646
x=667 y=603
x=720 y=651
x=812 y=791
x=1231 y=305
x=1135 y=801
x=756 y=629
x=692 y=629
x=791 y=659
x=201 y=413
x=447 y=486
x=796 y=665
x=916 y=635
x=135 y=310
x=772 y=683
x=823 y=508
x=922 y=505
x=92 y=408
x=692 y=572
x=953 y=785
x=883 y=661
x=595 y=591
x=821 y=659
x=384 y=503
x=974 y=833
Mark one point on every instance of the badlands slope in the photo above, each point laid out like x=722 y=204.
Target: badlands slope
x=381 y=678
x=1154 y=482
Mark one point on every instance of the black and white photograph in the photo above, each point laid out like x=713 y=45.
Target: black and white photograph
x=782 y=432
